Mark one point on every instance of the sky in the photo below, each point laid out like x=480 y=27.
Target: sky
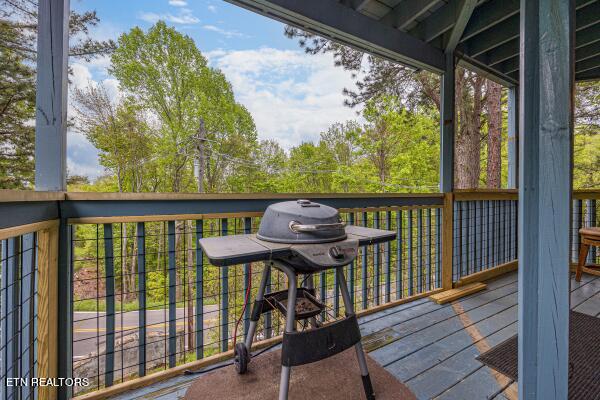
x=292 y=96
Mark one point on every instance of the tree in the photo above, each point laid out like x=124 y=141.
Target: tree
x=341 y=141
x=18 y=39
x=416 y=91
x=494 y=142
x=118 y=131
x=17 y=108
x=167 y=73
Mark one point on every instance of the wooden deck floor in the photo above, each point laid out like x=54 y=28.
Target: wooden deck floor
x=432 y=348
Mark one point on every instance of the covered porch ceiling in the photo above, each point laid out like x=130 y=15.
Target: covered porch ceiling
x=484 y=34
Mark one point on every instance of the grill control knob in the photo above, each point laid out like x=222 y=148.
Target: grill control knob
x=336 y=253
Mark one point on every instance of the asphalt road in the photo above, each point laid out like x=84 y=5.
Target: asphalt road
x=90 y=327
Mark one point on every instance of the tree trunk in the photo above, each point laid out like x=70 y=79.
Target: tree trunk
x=494 y=166
x=468 y=142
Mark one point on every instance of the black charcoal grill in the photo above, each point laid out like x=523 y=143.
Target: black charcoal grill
x=300 y=237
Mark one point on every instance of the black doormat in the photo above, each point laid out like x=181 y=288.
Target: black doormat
x=584 y=357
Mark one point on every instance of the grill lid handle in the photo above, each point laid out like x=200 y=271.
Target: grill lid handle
x=297 y=227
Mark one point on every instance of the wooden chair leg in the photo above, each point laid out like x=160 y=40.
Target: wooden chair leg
x=583 y=252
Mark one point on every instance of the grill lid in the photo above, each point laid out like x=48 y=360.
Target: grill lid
x=301 y=221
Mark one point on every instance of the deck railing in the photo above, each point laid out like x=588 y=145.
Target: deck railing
x=485 y=232
x=136 y=300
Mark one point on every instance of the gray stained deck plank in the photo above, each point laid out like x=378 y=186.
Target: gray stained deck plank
x=434 y=346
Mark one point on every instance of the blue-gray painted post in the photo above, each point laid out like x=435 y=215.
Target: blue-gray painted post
x=409 y=254
x=577 y=206
x=456 y=240
x=3 y=314
x=199 y=291
x=65 y=296
x=472 y=236
x=172 y=295
x=485 y=251
x=438 y=248
x=545 y=179
x=376 y=264
x=420 y=250
x=513 y=137
x=428 y=248
x=351 y=282
x=51 y=95
x=447 y=125
x=363 y=272
x=141 y=260
x=109 y=266
x=399 y=250
x=224 y=296
x=502 y=241
x=464 y=238
x=591 y=221
x=27 y=307
x=479 y=236
x=247 y=276
x=11 y=303
x=388 y=260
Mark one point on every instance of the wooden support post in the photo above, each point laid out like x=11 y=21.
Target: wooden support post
x=447 y=241
x=545 y=177
x=51 y=95
x=47 y=319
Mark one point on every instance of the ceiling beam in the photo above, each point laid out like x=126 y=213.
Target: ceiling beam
x=587 y=36
x=464 y=11
x=406 y=12
x=586 y=65
x=335 y=21
x=437 y=23
x=356 y=4
x=489 y=14
x=508 y=66
x=503 y=52
x=480 y=68
x=588 y=14
x=493 y=37
x=589 y=75
x=589 y=51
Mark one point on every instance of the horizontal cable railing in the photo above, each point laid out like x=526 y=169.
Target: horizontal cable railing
x=484 y=232
x=25 y=308
x=146 y=299
x=586 y=213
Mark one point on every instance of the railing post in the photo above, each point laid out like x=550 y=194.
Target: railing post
x=109 y=268
x=447 y=240
x=48 y=316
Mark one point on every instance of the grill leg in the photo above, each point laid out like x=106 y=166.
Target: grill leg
x=360 y=354
x=256 y=308
x=290 y=325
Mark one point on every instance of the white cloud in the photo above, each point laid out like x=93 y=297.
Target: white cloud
x=225 y=32
x=292 y=96
x=178 y=3
x=212 y=8
x=184 y=17
x=82 y=156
